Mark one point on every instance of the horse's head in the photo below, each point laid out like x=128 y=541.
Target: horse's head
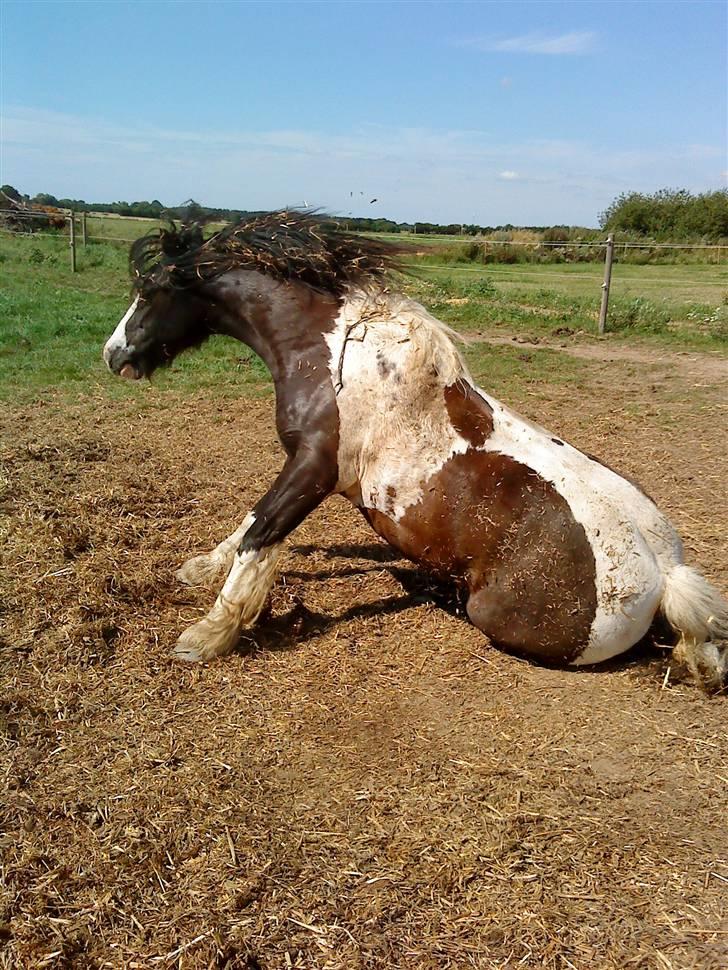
x=159 y=325
x=168 y=313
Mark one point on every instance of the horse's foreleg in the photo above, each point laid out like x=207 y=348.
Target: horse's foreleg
x=304 y=483
x=203 y=570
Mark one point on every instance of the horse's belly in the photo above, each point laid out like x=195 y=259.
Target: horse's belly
x=574 y=580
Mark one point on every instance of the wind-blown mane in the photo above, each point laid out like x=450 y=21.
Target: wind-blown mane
x=287 y=245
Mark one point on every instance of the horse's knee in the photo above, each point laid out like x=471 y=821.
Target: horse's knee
x=491 y=611
x=483 y=611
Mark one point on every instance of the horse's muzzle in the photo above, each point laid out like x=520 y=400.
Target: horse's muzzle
x=117 y=360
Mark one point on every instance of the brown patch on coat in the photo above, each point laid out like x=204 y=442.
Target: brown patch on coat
x=496 y=527
x=391 y=494
x=470 y=414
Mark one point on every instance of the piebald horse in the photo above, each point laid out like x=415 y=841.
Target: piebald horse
x=561 y=559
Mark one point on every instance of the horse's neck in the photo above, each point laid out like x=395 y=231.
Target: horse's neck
x=283 y=323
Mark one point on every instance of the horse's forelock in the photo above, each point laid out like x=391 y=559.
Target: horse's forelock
x=164 y=256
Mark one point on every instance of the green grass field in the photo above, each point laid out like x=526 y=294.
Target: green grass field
x=104 y=228
x=686 y=305
x=53 y=323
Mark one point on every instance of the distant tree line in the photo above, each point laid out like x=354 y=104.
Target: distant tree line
x=192 y=211
x=670 y=214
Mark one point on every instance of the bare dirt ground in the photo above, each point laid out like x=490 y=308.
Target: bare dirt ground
x=712 y=368
x=368 y=784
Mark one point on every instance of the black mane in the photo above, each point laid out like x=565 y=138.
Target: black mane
x=287 y=245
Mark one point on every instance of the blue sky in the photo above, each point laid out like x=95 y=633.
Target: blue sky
x=530 y=113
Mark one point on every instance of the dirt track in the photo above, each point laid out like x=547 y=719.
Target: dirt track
x=370 y=785
x=697 y=366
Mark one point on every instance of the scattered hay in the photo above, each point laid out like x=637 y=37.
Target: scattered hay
x=366 y=784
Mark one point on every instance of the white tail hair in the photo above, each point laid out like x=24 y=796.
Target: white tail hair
x=699 y=614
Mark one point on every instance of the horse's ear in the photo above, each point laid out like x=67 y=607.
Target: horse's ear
x=192 y=236
x=174 y=242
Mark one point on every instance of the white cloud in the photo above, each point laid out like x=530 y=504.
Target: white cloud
x=537 y=42
x=439 y=175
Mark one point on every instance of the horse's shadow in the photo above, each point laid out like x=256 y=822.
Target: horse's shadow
x=300 y=624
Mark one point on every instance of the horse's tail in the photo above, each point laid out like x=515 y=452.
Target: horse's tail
x=699 y=614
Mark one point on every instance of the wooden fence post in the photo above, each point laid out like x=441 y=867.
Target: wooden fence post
x=605 y=285
x=83 y=228
x=72 y=240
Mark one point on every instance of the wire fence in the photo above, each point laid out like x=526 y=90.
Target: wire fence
x=85 y=217
x=595 y=244
x=503 y=273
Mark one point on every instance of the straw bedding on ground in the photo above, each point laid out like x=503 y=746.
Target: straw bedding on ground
x=368 y=784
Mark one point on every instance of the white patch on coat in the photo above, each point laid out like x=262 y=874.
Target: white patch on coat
x=117 y=341
x=390 y=362
x=246 y=589
x=395 y=431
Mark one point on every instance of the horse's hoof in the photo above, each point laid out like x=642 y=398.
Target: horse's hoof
x=188 y=654
x=199 y=571
x=202 y=642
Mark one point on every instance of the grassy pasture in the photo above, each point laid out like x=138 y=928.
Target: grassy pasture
x=54 y=322
x=117 y=227
x=681 y=305
x=109 y=227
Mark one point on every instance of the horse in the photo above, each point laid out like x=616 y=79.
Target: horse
x=560 y=558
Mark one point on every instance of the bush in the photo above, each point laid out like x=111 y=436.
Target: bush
x=443 y=287
x=481 y=288
x=670 y=214
x=507 y=254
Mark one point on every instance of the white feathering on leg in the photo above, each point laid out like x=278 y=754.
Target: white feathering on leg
x=238 y=605
x=203 y=570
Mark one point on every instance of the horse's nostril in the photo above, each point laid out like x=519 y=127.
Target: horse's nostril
x=117 y=359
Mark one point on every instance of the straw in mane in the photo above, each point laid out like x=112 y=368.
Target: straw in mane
x=287 y=245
